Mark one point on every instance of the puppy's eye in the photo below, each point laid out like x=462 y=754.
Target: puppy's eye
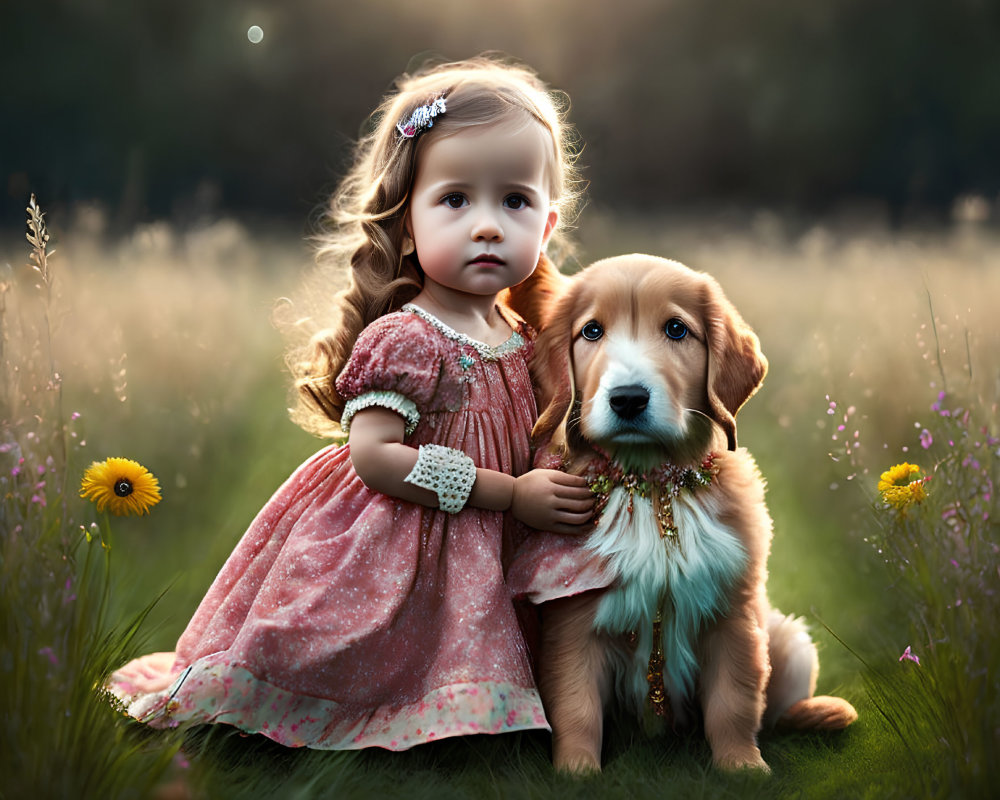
x=592 y=331
x=675 y=329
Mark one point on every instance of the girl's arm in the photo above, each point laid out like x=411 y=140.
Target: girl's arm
x=543 y=498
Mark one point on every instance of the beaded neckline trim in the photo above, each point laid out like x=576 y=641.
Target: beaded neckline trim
x=486 y=351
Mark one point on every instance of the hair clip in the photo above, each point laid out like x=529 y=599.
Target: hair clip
x=421 y=119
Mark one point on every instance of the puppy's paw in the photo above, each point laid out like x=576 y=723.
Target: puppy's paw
x=576 y=762
x=742 y=758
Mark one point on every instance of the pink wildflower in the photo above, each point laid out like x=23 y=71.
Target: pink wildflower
x=909 y=656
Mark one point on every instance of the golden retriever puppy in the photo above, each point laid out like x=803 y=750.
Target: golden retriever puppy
x=642 y=365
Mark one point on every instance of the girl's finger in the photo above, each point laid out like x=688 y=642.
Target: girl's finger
x=565 y=479
x=585 y=505
x=574 y=517
x=574 y=493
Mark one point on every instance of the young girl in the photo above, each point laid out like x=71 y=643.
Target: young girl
x=366 y=605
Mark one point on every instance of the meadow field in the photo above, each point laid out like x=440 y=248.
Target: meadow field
x=159 y=347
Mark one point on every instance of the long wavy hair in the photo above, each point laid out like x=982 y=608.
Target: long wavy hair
x=363 y=228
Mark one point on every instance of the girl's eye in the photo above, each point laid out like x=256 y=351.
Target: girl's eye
x=454 y=200
x=516 y=202
x=592 y=331
x=675 y=329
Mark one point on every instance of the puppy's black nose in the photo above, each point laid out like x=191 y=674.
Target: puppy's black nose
x=628 y=402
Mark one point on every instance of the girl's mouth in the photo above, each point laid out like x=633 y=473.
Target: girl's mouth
x=486 y=259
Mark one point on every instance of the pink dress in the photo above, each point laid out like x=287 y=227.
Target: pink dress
x=346 y=618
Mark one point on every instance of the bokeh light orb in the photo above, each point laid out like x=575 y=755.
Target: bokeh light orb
x=255 y=34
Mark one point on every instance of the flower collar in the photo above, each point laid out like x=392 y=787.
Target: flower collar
x=660 y=485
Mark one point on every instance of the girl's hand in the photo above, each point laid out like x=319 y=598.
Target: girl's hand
x=543 y=498
x=551 y=500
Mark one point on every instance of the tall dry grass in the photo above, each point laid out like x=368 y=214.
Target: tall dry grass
x=164 y=353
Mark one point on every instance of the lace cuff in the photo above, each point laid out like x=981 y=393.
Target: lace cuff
x=394 y=401
x=447 y=472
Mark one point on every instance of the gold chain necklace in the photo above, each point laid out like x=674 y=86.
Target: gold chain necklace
x=660 y=486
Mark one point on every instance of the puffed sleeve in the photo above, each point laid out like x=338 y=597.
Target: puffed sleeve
x=395 y=364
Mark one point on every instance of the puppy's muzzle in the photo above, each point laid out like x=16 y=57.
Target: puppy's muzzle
x=628 y=402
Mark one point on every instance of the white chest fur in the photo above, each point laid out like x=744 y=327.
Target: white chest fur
x=686 y=578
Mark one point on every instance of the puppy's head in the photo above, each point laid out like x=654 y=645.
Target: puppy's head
x=639 y=356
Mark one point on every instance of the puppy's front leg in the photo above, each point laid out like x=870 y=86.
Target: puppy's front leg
x=733 y=680
x=573 y=682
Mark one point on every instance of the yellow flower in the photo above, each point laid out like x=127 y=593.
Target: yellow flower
x=120 y=485
x=898 y=487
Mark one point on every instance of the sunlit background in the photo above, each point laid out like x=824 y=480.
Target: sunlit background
x=170 y=109
x=834 y=163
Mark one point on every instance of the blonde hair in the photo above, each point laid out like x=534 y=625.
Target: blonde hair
x=364 y=223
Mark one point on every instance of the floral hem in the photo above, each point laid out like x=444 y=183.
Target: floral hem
x=228 y=693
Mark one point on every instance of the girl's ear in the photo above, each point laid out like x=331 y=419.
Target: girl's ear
x=736 y=366
x=552 y=370
x=550 y=226
x=408 y=245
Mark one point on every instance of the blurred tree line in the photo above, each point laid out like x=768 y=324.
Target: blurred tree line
x=163 y=107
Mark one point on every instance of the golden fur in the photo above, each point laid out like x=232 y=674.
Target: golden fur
x=644 y=398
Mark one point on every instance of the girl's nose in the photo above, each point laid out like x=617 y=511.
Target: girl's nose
x=486 y=228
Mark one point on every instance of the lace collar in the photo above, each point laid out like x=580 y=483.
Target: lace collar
x=486 y=351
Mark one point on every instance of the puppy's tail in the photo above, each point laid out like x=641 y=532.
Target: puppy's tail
x=791 y=703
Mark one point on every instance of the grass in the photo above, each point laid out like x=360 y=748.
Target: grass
x=158 y=348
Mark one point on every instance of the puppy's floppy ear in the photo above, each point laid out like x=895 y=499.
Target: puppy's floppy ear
x=552 y=371
x=736 y=366
x=534 y=296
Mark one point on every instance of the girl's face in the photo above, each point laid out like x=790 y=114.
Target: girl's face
x=480 y=212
